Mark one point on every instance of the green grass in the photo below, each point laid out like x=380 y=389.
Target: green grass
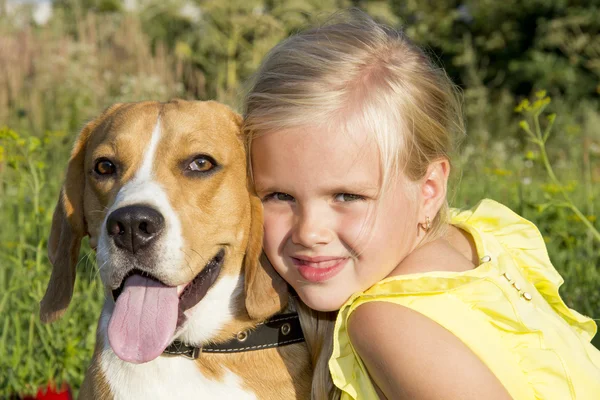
x=31 y=353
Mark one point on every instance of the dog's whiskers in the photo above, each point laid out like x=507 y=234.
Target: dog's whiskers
x=187 y=262
x=89 y=259
x=99 y=268
x=204 y=260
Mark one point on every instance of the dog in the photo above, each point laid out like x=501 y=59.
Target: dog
x=161 y=190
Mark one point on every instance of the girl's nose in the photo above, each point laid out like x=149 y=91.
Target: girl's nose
x=310 y=230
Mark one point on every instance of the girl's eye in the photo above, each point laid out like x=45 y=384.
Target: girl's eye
x=105 y=167
x=279 y=197
x=347 y=197
x=201 y=164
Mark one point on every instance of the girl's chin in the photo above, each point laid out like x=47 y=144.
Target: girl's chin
x=321 y=299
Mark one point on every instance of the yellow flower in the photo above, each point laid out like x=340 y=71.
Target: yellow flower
x=502 y=172
x=9 y=133
x=551 y=188
x=541 y=103
x=524 y=125
x=530 y=155
x=575 y=218
x=523 y=106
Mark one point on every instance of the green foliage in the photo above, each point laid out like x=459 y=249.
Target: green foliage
x=232 y=37
x=32 y=354
x=83 y=6
x=516 y=45
x=539 y=137
x=501 y=51
x=55 y=80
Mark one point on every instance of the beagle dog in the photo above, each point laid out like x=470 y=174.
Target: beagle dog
x=161 y=191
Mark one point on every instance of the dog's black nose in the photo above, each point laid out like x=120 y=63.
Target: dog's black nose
x=134 y=227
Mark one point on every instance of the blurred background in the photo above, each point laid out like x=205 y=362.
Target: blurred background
x=529 y=71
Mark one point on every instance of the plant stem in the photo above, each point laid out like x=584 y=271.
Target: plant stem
x=564 y=193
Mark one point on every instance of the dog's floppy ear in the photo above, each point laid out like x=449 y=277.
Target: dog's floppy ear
x=237 y=119
x=68 y=228
x=266 y=291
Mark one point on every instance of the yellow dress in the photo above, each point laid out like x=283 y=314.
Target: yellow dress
x=507 y=311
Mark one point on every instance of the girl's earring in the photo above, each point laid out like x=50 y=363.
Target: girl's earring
x=427 y=225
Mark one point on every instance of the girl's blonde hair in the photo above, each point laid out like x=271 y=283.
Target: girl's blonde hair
x=353 y=73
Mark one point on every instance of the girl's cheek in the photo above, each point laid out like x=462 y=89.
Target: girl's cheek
x=275 y=230
x=355 y=229
x=274 y=218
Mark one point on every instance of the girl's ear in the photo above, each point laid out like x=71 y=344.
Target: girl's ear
x=434 y=187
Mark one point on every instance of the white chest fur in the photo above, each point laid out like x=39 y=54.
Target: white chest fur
x=167 y=378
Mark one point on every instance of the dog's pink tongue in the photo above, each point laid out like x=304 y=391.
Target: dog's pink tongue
x=144 y=320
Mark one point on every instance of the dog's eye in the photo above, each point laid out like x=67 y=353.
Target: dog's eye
x=201 y=164
x=105 y=167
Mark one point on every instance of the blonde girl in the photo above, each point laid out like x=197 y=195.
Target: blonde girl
x=351 y=128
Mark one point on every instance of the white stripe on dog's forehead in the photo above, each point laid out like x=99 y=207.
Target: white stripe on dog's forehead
x=145 y=171
x=142 y=188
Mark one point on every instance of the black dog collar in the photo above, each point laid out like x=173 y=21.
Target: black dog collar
x=280 y=330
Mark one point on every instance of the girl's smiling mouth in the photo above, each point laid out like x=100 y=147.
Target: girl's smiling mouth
x=319 y=269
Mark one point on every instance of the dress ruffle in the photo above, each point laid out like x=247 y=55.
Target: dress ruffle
x=525 y=243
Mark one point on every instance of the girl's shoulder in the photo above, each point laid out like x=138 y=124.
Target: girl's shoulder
x=382 y=333
x=499 y=307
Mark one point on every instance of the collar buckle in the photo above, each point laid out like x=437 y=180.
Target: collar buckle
x=178 y=348
x=194 y=354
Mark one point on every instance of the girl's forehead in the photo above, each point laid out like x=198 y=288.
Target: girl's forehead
x=315 y=157
x=328 y=148
x=334 y=138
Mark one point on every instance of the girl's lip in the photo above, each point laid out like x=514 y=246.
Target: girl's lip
x=319 y=269
x=316 y=259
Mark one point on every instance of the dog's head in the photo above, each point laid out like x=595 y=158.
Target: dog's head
x=161 y=190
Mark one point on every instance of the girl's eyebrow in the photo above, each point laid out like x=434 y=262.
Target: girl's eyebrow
x=354 y=187
x=266 y=189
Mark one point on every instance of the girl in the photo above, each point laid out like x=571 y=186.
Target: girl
x=350 y=131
